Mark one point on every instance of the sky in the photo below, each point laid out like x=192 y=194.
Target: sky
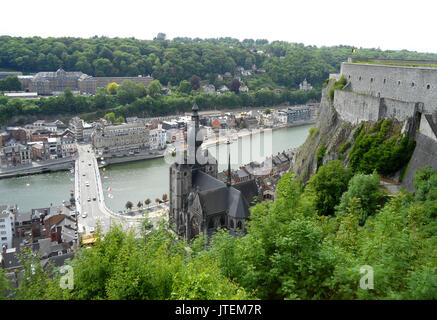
x=389 y=25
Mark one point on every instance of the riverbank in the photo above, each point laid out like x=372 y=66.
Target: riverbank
x=38 y=168
x=245 y=133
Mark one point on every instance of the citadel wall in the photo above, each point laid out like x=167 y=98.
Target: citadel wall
x=402 y=83
x=355 y=107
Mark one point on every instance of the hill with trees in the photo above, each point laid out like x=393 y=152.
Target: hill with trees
x=294 y=249
x=179 y=66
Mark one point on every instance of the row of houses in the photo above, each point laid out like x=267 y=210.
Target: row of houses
x=39 y=141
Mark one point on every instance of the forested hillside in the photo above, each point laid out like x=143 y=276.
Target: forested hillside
x=286 y=64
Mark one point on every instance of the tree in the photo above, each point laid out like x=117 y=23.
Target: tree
x=195 y=82
x=157 y=200
x=129 y=205
x=154 y=88
x=10 y=83
x=184 y=87
x=235 y=86
x=366 y=188
x=327 y=186
x=103 y=67
x=110 y=116
x=267 y=111
x=112 y=88
x=160 y=36
x=164 y=197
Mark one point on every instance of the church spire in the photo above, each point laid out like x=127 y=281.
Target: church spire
x=198 y=139
x=228 y=182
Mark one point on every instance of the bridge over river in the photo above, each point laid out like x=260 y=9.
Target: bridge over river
x=90 y=200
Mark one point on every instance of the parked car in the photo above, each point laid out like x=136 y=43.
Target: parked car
x=89 y=199
x=84 y=215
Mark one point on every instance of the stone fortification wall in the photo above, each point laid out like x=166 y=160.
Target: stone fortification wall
x=428 y=127
x=425 y=154
x=395 y=109
x=409 y=84
x=356 y=107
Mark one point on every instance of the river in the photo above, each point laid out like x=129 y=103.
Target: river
x=143 y=179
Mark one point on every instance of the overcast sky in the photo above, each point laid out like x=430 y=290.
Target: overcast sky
x=367 y=23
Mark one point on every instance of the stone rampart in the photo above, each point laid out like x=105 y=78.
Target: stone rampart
x=402 y=83
x=354 y=108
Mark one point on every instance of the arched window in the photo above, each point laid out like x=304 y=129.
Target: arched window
x=371 y=79
x=359 y=78
x=385 y=81
x=428 y=86
x=412 y=84
x=399 y=82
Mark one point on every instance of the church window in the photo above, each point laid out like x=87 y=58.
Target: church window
x=185 y=174
x=385 y=81
x=412 y=84
x=428 y=86
x=399 y=83
x=371 y=79
x=359 y=78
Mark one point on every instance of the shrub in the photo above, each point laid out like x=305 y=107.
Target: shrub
x=313 y=131
x=377 y=150
x=337 y=86
x=321 y=151
x=344 y=147
x=328 y=185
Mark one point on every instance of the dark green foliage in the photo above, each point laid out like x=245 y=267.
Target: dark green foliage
x=10 y=83
x=321 y=151
x=328 y=185
x=134 y=100
x=344 y=147
x=366 y=189
x=426 y=185
x=381 y=150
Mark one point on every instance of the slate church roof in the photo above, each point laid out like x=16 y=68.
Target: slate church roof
x=216 y=197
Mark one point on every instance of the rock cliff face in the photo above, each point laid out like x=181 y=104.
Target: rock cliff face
x=333 y=138
x=330 y=131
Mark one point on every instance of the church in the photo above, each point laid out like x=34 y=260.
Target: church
x=199 y=202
